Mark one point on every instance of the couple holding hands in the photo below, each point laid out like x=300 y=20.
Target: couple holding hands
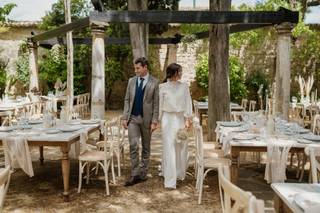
x=148 y=104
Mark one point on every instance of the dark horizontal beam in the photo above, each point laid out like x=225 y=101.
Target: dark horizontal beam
x=59 y=31
x=313 y=3
x=170 y=40
x=204 y=17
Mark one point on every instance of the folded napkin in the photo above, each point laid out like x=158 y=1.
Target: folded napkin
x=17 y=154
x=277 y=155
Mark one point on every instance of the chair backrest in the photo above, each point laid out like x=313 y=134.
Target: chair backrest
x=110 y=136
x=252 y=106
x=316 y=124
x=244 y=103
x=4 y=184
x=314 y=154
x=234 y=199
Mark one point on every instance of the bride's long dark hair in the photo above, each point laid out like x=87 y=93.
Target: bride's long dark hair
x=172 y=70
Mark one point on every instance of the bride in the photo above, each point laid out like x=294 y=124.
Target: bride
x=175 y=113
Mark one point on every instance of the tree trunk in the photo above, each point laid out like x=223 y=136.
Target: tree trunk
x=139 y=33
x=219 y=92
x=67 y=6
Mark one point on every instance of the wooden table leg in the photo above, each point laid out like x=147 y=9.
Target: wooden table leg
x=41 y=155
x=65 y=163
x=235 y=152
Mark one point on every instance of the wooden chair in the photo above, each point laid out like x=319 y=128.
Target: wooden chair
x=316 y=124
x=116 y=133
x=233 y=199
x=5 y=175
x=252 y=106
x=205 y=164
x=314 y=154
x=102 y=158
x=244 y=103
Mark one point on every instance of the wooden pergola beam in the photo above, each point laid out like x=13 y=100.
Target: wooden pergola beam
x=62 y=30
x=169 y=40
x=313 y=3
x=204 y=17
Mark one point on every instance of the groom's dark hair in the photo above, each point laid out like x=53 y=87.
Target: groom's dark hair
x=142 y=60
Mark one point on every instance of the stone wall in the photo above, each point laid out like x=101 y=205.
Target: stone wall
x=11 y=37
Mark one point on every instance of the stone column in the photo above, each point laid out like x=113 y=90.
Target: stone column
x=283 y=72
x=33 y=66
x=98 y=73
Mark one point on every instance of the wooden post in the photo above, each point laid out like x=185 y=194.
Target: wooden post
x=67 y=5
x=218 y=94
x=283 y=72
x=171 y=55
x=139 y=32
x=33 y=66
x=98 y=73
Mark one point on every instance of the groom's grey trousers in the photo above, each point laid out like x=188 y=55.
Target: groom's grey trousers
x=137 y=130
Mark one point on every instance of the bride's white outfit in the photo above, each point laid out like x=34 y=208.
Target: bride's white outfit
x=175 y=108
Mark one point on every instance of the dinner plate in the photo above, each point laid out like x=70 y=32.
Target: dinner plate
x=307 y=199
x=240 y=129
x=70 y=128
x=304 y=141
x=230 y=124
x=7 y=128
x=35 y=121
x=90 y=121
x=52 y=131
x=312 y=137
x=244 y=137
x=75 y=122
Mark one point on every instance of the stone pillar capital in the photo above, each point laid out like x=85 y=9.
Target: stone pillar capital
x=98 y=30
x=284 y=28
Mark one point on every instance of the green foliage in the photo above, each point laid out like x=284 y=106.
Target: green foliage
x=236 y=76
x=113 y=72
x=253 y=82
x=202 y=71
x=55 y=17
x=3 y=74
x=238 y=89
x=22 y=65
x=53 y=66
x=5 y=11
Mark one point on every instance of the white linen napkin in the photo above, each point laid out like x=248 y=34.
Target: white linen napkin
x=277 y=154
x=17 y=154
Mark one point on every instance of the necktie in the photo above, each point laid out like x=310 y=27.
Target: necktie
x=141 y=83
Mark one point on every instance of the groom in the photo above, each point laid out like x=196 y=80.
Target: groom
x=140 y=117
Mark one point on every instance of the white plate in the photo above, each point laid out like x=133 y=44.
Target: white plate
x=304 y=141
x=52 y=131
x=74 y=122
x=7 y=128
x=90 y=121
x=240 y=129
x=244 y=137
x=312 y=137
x=307 y=199
x=230 y=124
x=303 y=131
x=35 y=121
x=70 y=128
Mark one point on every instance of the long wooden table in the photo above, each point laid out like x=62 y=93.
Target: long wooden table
x=238 y=147
x=64 y=141
x=284 y=195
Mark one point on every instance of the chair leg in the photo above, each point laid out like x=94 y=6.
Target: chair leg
x=80 y=177
x=97 y=169
x=119 y=165
x=304 y=161
x=105 y=169
x=200 y=187
x=112 y=171
x=88 y=173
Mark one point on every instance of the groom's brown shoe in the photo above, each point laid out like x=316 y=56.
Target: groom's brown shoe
x=132 y=181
